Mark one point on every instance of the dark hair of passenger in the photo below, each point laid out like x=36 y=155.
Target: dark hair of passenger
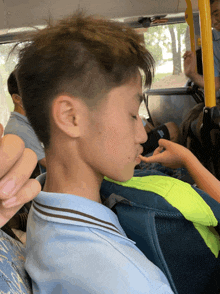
x=12 y=84
x=212 y=1
x=81 y=56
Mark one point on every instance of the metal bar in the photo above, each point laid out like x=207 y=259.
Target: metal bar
x=207 y=53
x=170 y=91
x=189 y=20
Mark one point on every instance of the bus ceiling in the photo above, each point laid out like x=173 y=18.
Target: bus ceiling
x=23 y=13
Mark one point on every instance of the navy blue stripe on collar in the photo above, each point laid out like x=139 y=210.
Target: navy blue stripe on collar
x=100 y=223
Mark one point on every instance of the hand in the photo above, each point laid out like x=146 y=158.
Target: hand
x=16 y=166
x=189 y=64
x=169 y=154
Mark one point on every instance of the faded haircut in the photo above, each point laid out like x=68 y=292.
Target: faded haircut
x=81 y=56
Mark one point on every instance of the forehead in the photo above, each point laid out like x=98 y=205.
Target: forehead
x=215 y=7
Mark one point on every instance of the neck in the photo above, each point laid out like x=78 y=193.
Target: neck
x=19 y=110
x=71 y=177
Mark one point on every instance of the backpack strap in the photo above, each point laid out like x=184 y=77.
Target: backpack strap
x=113 y=199
x=183 y=197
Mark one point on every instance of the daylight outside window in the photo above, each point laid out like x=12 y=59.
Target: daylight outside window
x=167 y=44
x=7 y=65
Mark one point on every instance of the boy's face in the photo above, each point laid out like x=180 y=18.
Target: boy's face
x=215 y=15
x=114 y=132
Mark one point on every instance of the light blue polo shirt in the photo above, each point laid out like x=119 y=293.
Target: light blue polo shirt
x=216 y=50
x=216 y=53
x=19 y=125
x=76 y=245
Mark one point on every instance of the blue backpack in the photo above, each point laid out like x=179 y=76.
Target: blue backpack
x=174 y=225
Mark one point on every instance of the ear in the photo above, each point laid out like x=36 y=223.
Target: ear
x=16 y=98
x=66 y=115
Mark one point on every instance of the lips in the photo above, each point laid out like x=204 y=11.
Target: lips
x=139 y=153
x=138 y=160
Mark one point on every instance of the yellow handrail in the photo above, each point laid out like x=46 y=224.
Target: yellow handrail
x=189 y=20
x=207 y=53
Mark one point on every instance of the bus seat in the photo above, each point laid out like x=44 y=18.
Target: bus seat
x=165 y=105
x=13 y=278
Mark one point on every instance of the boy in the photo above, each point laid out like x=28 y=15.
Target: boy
x=82 y=94
x=85 y=77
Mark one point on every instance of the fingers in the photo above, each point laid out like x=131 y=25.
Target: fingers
x=158 y=150
x=152 y=159
x=17 y=176
x=29 y=191
x=187 y=54
x=158 y=155
x=11 y=149
x=9 y=207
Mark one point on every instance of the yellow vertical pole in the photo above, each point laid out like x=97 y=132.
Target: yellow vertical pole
x=189 y=20
x=207 y=53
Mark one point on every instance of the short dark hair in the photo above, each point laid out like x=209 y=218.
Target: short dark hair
x=12 y=84
x=212 y=1
x=81 y=56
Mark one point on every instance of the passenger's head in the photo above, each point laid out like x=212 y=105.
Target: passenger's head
x=80 y=56
x=14 y=92
x=215 y=14
x=81 y=69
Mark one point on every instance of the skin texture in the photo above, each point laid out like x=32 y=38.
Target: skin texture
x=190 y=58
x=88 y=144
x=17 y=164
x=175 y=156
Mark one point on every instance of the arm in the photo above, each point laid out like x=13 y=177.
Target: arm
x=17 y=164
x=176 y=156
x=190 y=72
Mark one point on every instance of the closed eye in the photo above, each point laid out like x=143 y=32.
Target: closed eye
x=134 y=116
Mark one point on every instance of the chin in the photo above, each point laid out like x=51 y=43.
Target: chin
x=124 y=177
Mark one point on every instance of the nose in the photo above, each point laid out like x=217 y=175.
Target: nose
x=141 y=134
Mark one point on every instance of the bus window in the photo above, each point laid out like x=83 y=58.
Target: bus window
x=167 y=44
x=7 y=65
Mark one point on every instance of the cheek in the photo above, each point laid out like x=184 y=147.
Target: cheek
x=121 y=146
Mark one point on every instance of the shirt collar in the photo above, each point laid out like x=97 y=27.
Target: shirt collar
x=72 y=209
x=21 y=116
